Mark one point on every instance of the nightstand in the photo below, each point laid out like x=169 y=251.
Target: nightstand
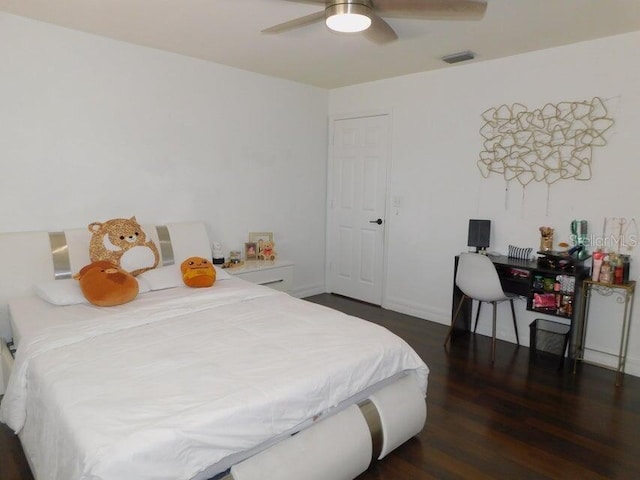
x=277 y=274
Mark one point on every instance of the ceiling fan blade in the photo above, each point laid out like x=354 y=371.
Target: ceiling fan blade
x=379 y=31
x=296 y=23
x=432 y=9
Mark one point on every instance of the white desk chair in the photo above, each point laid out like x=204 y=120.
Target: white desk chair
x=478 y=279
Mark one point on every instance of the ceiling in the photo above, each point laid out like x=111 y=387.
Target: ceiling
x=229 y=32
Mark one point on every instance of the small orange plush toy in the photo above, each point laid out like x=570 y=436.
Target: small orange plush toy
x=197 y=272
x=105 y=284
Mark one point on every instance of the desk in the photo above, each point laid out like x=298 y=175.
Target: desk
x=625 y=293
x=517 y=276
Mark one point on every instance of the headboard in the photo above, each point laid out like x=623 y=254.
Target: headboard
x=30 y=257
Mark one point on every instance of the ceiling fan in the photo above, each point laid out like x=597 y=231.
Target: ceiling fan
x=366 y=15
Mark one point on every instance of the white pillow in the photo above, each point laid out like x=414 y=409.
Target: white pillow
x=519 y=253
x=67 y=291
x=162 y=277
x=60 y=292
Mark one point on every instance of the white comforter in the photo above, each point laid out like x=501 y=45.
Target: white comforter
x=175 y=381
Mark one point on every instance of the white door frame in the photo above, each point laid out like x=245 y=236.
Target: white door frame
x=330 y=188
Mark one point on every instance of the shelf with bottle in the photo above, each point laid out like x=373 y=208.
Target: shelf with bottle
x=610 y=268
x=552 y=294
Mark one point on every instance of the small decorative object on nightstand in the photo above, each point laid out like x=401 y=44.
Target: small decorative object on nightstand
x=218 y=257
x=234 y=256
x=250 y=251
x=265 y=245
x=267 y=251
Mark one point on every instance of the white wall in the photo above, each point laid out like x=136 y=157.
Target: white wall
x=91 y=129
x=436 y=143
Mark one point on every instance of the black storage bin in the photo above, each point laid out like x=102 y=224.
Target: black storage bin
x=549 y=339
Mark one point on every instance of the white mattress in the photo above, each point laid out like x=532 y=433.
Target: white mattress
x=179 y=380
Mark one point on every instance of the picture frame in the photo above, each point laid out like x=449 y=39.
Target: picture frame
x=250 y=250
x=257 y=236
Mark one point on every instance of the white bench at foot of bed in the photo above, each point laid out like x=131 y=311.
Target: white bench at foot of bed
x=344 y=445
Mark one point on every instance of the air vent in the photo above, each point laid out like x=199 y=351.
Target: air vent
x=458 y=57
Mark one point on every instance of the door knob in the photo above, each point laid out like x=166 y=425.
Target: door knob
x=378 y=221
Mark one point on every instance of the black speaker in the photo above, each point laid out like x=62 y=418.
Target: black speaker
x=479 y=233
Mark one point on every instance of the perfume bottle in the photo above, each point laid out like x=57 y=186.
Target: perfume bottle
x=605 y=271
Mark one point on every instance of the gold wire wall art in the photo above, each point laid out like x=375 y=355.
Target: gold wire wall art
x=618 y=233
x=549 y=144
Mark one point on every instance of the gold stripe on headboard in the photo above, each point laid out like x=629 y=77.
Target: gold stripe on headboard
x=60 y=254
x=166 y=249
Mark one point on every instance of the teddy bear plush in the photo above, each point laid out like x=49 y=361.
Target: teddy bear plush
x=267 y=251
x=197 y=272
x=105 y=284
x=122 y=242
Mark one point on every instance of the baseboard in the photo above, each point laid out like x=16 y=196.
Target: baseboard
x=610 y=360
x=417 y=310
x=308 y=291
x=633 y=366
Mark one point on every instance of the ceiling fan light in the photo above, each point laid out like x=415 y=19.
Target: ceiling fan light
x=348 y=18
x=348 y=22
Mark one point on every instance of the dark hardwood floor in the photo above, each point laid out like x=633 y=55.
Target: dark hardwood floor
x=510 y=420
x=515 y=419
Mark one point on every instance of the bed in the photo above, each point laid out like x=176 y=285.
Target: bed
x=237 y=381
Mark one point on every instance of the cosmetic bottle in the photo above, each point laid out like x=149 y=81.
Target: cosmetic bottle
x=597 y=257
x=605 y=271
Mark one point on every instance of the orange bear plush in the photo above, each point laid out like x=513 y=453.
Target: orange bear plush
x=105 y=284
x=197 y=272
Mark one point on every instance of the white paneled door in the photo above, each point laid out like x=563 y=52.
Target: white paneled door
x=359 y=155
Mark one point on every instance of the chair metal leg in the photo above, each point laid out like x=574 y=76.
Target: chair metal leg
x=493 y=343
x=477 y=316
x=515 y=324
x=453 y=320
